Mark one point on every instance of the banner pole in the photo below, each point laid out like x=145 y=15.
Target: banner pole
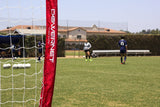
x=50 y=53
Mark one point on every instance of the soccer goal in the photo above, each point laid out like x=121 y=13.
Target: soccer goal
x=25 y=80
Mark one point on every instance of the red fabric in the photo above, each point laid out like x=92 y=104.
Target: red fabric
x=50 y=53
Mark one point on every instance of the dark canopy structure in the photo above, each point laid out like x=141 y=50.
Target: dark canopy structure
x=5 y=39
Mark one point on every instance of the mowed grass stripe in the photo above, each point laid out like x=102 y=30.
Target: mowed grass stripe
x=104 y=82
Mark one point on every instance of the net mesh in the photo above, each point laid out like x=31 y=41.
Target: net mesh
x=22 y=26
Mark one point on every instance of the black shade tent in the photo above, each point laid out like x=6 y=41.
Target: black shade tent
x=5 y=39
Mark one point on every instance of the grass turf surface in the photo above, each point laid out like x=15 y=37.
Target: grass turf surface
x=104 y=82
x=74 y=53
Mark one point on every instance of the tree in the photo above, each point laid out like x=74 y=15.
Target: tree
x=149 y=31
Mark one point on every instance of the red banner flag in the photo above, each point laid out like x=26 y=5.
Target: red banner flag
x=50 y=53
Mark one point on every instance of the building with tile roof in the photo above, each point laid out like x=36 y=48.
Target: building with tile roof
x=70 y=33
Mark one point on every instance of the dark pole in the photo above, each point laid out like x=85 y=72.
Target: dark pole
x=79 y=47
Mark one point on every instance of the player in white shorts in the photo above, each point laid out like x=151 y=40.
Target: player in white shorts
x=87 y=47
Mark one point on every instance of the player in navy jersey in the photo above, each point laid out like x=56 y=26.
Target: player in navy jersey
x=86 y=49
x=123 y=49
x=39 y=51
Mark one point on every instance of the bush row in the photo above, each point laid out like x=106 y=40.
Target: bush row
x=29 y=43
x=135 y=42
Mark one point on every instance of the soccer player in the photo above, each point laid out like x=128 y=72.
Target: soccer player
x=13 y=50
x=123 y=49
x=86 y=49
x=39 y=51
x=19 y=51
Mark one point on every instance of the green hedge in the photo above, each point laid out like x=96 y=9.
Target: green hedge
x=61 y=47
x=135 y=42
x=30 y=42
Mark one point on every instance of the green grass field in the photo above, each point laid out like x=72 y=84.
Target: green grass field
x=74 y=53
x=18 y=82
x=104 y=82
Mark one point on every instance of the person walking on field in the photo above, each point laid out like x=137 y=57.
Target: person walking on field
x=87 y=47
x=19 y=51
x=123 y=49
x=39 y=51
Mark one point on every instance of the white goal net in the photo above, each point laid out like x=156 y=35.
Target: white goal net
x=22 y=35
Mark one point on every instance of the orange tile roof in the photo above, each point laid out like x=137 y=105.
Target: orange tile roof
x=22 y=27
x=65 y=29
x=109 y=32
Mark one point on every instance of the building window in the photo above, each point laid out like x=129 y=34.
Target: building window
x=9 y=27
x=59 y=36
x=108 y=30
x=64 y=36
x=28 y=27
x=79 y=36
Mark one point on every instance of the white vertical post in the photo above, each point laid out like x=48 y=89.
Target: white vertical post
x=11 y=51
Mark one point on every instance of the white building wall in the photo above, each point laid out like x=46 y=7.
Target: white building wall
x=73 y=34
x=62 y=34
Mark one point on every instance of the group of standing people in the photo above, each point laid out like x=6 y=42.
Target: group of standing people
x=123 y=50
x=16 y=51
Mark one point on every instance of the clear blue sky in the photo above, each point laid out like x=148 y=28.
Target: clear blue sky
x=139 y=14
